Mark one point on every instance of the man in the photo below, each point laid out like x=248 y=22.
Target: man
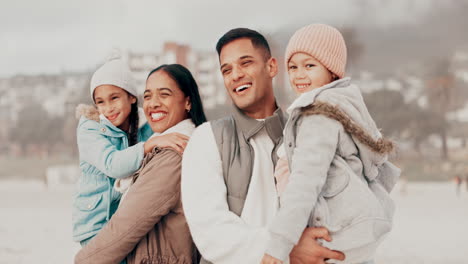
x=228 y=189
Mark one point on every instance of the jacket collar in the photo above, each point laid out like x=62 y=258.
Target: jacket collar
x=185 y=127
x=274 y=124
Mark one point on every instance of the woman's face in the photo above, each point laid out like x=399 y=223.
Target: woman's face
x=164 y=102
x=306 y=73
x=115 y=104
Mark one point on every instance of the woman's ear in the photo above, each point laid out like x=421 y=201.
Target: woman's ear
x=188 y=104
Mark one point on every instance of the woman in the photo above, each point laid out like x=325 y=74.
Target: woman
x=149 y=226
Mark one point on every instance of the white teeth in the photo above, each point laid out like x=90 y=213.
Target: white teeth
x=158 y=115
x=242 y=87
x=302 y=86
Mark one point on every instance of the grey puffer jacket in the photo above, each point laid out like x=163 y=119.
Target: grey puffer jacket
x=340 y=176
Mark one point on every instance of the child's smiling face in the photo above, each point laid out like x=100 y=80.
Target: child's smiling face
x=115 y=104
x=306 y=73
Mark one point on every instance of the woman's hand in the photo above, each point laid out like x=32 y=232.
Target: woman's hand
x=176 y=141
x=309 y=251
x=267 y=259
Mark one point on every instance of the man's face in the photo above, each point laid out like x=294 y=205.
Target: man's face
x=247 y=74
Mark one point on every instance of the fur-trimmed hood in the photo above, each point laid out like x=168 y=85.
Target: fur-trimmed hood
x=343 y=101
x=90 y=112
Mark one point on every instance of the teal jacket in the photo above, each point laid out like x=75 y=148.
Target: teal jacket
x=104 y=156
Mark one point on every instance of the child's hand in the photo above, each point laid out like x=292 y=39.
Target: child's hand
x=176 y=141
x=267 y=259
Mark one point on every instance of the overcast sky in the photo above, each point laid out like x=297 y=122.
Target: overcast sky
x=50 y=36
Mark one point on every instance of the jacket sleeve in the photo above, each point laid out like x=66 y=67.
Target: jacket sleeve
x=152 y=196
x=316 y=145
x=220 y=235
x=98 y=150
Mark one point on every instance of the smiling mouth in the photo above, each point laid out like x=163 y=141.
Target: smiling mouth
x=155 y=117
x=302 y=86
x=242 y=88
x=112 y=117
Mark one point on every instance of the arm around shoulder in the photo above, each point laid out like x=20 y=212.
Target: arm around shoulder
x=98 y=150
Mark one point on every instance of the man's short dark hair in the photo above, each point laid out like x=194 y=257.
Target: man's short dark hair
x=258 y=40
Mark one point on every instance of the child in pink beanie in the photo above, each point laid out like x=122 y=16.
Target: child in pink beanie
x=333 y=171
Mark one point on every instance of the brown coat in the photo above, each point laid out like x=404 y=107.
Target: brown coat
x=149 y=226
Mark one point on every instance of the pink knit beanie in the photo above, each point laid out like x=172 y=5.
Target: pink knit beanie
x=324 y=43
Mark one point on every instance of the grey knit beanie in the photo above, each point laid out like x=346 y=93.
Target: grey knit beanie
x=114 y=72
